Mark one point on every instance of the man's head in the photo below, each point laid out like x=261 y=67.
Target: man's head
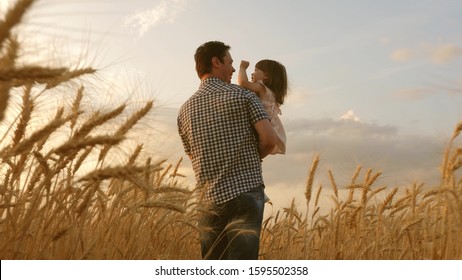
x=214 y=60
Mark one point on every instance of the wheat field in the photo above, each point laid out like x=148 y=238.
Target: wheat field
x=68 y=192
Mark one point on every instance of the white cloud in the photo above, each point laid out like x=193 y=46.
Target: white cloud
x=445 y=53
x=350 y=115
x=413 y=93
x=438 y=54
x=344 y=144
x=165 y=11
x=401 y=54
x=297 y=97
x=343 y=128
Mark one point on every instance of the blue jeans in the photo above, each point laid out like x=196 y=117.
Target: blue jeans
x=234 y=228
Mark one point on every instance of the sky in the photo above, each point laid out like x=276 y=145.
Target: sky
x=371 y=83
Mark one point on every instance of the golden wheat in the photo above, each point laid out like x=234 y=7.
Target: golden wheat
x=12 y=18
x=66 y=200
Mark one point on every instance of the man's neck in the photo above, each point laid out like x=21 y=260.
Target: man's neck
x=207 y=76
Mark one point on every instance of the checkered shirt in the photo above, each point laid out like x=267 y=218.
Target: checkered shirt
x=216 y=128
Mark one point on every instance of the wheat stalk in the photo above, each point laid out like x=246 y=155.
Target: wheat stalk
x=318 y=194
x=26 y=111
x=82 y=158
x=96 y=120
x=164 y=205
x=76 y=107
x=372 y=179
x=11 y=49
x=4 y=97
x=135 y=154
x=73 y=145
x=122 y=172
x=387 y=201
x=30 y=74
x=12 y=18
x=7 y=61
x=124 y=128
x=67 y=75
x=332 y=181
x=309 y=183
x=457 y=131
x=175 y=170
x=37 y=135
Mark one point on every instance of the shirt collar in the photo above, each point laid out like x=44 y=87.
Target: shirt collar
x=211 y=80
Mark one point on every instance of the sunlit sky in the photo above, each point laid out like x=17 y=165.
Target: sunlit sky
x=372 y=83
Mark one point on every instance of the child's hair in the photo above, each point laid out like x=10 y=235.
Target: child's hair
x=276 y=78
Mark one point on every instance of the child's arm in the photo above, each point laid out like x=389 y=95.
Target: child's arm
x=244 y=82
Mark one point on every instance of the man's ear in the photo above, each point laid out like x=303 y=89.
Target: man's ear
x=215 y=61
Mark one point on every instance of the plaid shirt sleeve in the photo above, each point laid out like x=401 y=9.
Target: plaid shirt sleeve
x=183 y=136
x=256 y=110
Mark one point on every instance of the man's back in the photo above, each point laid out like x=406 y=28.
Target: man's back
x=216 y=127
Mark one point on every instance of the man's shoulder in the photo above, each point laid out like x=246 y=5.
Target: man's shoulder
x=217 y=86
x=239 y=89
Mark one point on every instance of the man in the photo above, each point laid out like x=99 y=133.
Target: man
x=226 y=133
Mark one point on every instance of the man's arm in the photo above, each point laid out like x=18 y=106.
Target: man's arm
x=266 y=137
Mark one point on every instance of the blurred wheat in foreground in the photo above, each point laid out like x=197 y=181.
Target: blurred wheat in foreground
x=63 y=196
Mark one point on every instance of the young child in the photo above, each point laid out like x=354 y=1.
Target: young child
x=269 y=82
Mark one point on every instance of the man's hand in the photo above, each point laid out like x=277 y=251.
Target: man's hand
x=267 y=139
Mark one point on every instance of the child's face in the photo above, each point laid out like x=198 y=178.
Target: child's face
x=258 y=75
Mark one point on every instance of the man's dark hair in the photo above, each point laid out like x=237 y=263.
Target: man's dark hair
x=205 y=53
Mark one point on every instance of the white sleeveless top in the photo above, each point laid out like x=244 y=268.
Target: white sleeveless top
x=273 y=110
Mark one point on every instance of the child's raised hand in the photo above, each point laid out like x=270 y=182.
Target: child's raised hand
x=244 y=64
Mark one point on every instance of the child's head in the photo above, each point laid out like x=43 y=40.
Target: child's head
x=275 y=78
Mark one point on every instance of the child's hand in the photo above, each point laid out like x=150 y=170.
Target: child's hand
x=244 y=64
